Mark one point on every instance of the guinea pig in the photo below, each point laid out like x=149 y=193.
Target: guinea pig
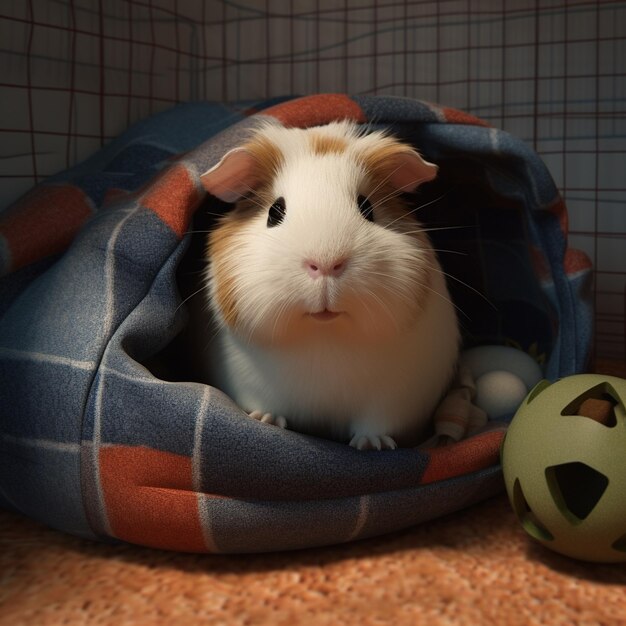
x=331 y=307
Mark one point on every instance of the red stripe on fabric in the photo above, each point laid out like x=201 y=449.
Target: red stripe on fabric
x=316 y=110
x=454 y=116
x=44 y=222
x=467 y=456
x=149 y=498
x=559 y=209
x=173 y=196
x=576 y=261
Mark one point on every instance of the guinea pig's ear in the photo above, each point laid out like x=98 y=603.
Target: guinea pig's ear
x=409 y=170
x=233 y=177
x=393 y=161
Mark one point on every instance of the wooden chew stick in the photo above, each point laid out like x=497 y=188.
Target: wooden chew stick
x=598 y=410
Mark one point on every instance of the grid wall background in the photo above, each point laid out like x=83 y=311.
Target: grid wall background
x=75 y=73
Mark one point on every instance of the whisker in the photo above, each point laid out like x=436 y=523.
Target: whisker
x=450 y=251
x=393 y=279
x=436 y=228
x=256 y=202
x=406 y=291
x=380 y=184
x=212 y=214
x=389 y=196
x=425 y=287
x=384 y=305
x=396 y=192
x=421 y=206
x=393 y=194
x=461 y=311
x=195 y=293
x=458 y=280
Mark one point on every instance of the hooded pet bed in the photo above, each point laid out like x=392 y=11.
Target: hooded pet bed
x=93 y=443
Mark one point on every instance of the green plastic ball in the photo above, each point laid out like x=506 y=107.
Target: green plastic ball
x=564 y=465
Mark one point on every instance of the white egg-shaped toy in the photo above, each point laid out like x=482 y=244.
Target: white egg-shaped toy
x=502 y=375
x=483 y=359
x=499 y=393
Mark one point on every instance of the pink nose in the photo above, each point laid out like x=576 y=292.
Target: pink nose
x=335 y=268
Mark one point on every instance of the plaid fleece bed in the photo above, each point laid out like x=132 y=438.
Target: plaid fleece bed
x=92 y=443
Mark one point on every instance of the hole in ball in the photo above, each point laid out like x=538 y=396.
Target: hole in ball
x=597 y=403
x=529 y=521
x=576 y=489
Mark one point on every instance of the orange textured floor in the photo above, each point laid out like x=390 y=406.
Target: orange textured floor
x=475 y=567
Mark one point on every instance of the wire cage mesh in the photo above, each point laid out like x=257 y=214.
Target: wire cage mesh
x=75 y=73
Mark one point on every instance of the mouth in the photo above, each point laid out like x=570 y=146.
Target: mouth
x=325 y=315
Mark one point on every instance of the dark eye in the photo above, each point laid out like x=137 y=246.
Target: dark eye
x=365 y=206
x=276 y=213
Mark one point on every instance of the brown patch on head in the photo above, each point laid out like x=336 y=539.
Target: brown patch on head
x=268 y=157
x=222 y=240
x=379 y=161
x=388 y=159
x=326 y=144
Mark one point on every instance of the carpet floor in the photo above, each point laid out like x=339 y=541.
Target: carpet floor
x=472 y=568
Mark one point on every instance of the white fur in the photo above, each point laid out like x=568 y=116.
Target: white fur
x=380 y=368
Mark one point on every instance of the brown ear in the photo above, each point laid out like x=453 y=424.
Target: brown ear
x=233 y=177
x=399 y=164
x=410 y=171
x=243 y=169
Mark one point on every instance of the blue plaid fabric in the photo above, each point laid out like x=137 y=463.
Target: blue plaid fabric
x=94 y=444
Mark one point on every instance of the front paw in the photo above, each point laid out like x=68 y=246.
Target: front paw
x=268 y=418
x=373 y=442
